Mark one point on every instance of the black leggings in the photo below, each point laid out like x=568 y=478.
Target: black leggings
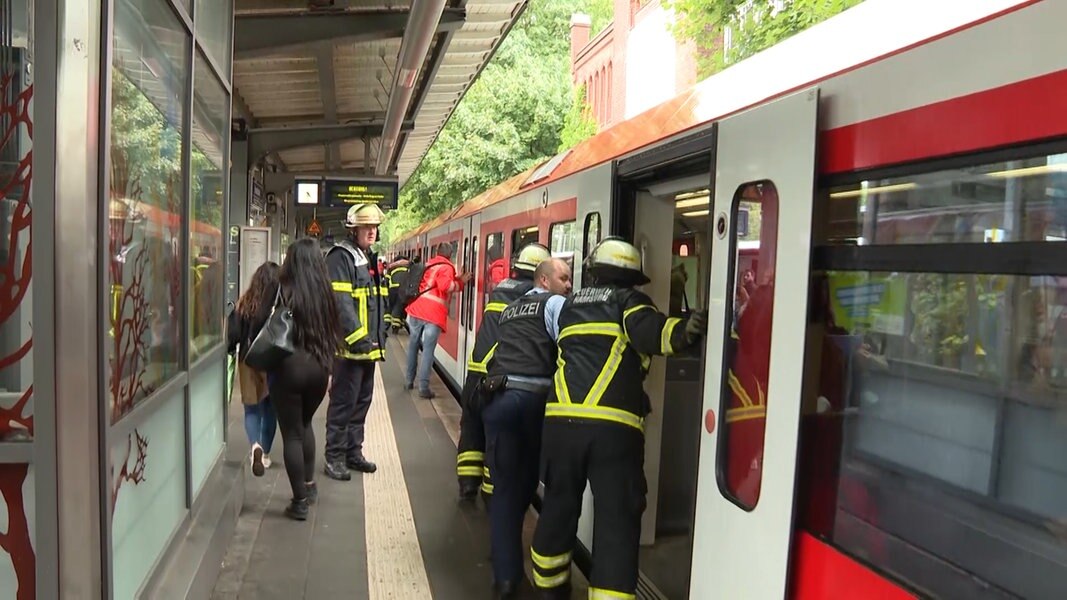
x=297 y=388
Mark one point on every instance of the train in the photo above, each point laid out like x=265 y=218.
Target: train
x=873 y=214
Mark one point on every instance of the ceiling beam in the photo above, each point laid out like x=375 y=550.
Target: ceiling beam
x=256 y=36
x=263 y=141
x=328 y=93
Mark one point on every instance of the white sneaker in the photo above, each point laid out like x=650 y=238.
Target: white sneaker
x=257 y=460
x=266 y=461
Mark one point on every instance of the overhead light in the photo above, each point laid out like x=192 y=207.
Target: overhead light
x=1028 y=171
x=688 y=195
x=696 y=213
x=883 y=189
x=694 y=201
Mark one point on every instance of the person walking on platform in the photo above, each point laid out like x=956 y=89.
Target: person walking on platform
x=428 y=316
x=470 y=467
x=356 y=282
x=520 y=380
x=594 y=422
x=242 y=327
x=298 y=384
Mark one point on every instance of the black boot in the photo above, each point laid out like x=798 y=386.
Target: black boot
x=362 y=465
x=337 y=470
x=297 y=509
x=468 y=490
x=506 y=589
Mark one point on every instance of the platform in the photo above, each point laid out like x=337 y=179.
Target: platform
x=398 y=533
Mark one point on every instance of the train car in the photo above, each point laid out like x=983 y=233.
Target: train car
x=873 y=213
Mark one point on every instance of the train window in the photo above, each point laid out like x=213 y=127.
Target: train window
x=748 y=345
x=496 y=262
x=523 y=236
x=1010 y=201
x=590 y=239
x=463 y=267
x=449 y=250
x=472 y=285
x=564 y=240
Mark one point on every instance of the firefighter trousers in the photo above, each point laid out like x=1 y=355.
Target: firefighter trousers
x=350 y=398
x=513 y=424
x=610 y=458
x=471 y=468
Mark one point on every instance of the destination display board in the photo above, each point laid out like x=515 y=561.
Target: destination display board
x=342 y=193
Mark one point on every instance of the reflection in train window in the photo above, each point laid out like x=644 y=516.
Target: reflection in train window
x=496 y=263
x=1012 y=201
x=521 y=237
x=748 y=344
x=688 y=260
x=564 y=241
x=472 y=286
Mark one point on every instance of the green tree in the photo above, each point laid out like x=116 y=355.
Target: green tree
x=578 y=124
x=755 y=25
x=511 y=119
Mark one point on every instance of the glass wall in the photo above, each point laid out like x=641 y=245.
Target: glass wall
x=17 y=498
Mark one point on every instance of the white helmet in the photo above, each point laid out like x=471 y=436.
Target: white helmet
x=616 y=256
x=530 y=256
x=364 y=214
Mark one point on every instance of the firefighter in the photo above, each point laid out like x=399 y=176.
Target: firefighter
x=356 y=281
x=520 y=380
x=470 y=466
x=398 y=271
x=594 y=422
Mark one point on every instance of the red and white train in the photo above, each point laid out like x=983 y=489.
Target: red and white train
x=874 y=213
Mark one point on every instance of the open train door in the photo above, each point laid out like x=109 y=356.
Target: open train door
x=764 y=183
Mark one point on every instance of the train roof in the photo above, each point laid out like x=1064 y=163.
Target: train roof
x=872 y=31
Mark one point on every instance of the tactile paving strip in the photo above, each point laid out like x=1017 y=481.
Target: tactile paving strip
x=395 y=567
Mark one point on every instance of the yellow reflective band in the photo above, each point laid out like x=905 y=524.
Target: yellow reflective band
x=482 y=366
x=604 y=328
x=376 y=354
x=485 y=471
x=342 y=286
x=629 y=311
x=495 y=307
x=745 y=413
x=602 y=413
x=470 y=455
x=383 y=290
x=563 y=395
x=665 y=336
x=361 y=292
x=550 y=562
x=468 y=471
x=602 y=594
x=487 y=487
x=356 y=335
x=738 y=389
x=551 y=582
x=393 y=284
x=607 y=373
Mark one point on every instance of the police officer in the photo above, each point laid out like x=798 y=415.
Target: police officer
x=356 y=281
x=594 y=423
x=470 y=468
x=520 y=379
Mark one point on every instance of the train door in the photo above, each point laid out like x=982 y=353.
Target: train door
x=469 y=301
x=762 y=207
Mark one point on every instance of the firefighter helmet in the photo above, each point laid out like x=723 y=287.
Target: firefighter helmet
x=618 y=260
x=364 y=214
x=530 y=256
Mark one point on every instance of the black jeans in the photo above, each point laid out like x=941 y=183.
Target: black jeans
x=346 y=416
x=297 y=388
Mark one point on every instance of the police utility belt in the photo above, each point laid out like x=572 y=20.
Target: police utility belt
x=498 y=383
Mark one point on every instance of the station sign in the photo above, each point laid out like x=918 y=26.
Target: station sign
x=308 y=192
x=342 y=193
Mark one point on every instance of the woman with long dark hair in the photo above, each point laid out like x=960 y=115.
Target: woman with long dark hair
x=242 y=327
x=298 y=384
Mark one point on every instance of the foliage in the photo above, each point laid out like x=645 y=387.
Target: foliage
x=511 y=118
x=601 y=13
x=578 y=124
x=755 y=25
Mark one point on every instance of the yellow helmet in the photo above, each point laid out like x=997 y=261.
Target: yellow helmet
x=364 y=214
x=530 y=256
x=618 y=259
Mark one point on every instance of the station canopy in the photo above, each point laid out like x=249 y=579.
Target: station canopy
x=357 y=87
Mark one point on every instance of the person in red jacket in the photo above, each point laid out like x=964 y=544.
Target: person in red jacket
x=428 y=316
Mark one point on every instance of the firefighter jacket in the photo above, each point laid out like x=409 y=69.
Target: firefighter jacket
x=607 y=336
x=360 y=303
x=397 y=274
x=485 y=343
x=525 y=346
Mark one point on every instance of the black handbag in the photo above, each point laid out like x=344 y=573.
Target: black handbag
x=274 y=343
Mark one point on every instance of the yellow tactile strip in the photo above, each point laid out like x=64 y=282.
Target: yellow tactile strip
x=395 y=567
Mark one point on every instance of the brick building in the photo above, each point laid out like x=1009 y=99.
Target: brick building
x=631 y=65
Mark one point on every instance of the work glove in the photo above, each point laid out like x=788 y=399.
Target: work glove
x=696 y=326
